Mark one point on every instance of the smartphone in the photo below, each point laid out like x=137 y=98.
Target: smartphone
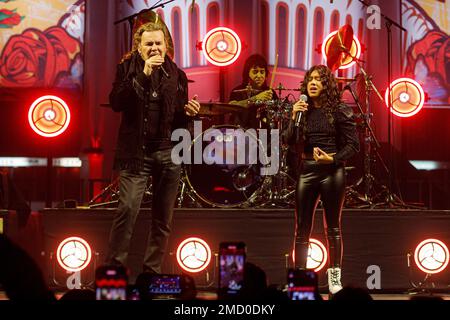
x=165 y=286
x=111 y=283
x=302 y=284
x=232 y=257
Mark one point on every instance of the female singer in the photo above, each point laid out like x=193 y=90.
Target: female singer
x=327 y=131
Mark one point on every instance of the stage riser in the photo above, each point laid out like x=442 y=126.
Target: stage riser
x=380 y=238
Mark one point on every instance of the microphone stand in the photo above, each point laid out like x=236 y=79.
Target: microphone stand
x=391 y=200
x=369 y=137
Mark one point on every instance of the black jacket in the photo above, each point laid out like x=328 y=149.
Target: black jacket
x=130 y=97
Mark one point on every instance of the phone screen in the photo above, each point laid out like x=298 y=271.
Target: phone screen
x=165 y=285
x=302 y=285
x=111 y=283
x=231 y=268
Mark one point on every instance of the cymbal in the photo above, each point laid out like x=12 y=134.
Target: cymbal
x=218 y=108
x=339 y=47
x=248 y=90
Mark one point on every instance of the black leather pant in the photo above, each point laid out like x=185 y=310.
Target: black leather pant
x=166 y=176
x=326 y=182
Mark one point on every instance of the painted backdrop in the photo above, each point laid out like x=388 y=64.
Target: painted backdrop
x=427 y=47
x=41 y=43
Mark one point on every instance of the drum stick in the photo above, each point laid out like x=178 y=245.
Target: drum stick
x=273 y=72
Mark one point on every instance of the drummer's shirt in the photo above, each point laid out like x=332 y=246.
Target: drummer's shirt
x=247 y=118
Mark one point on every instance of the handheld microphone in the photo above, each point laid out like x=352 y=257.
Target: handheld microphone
x=298 y=117
x=165 y=72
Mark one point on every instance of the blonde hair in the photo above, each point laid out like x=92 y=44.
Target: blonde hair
x=152 y=26
x=157 y=25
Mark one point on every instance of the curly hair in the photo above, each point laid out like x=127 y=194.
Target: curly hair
x=330 y=97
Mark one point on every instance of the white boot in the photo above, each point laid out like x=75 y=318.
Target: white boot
x=334 y=280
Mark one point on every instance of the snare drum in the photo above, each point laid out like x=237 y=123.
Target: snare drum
x=227 y=183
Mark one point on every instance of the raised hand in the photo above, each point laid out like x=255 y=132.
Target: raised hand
x=192 y=107
x=299 y=106
x=152 y=63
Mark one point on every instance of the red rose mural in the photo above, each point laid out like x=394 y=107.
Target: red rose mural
x=35 y=58
x=9 y=18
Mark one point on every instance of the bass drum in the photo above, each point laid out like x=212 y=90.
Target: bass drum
x=227 y=183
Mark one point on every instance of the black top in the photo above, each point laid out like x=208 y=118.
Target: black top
x=339 y=136
x=154 y=140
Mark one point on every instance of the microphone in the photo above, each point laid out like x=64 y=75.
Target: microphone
x=298 y=117
x=165 y=72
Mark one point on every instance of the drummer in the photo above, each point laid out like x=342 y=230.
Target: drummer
x=254 y=88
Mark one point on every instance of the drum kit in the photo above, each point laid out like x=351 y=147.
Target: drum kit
x=240 y=185
x=226 y=185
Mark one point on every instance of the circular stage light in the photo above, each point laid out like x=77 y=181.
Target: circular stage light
x=74 y=254
x=347 y=62
x=193 y=255
x=49 y=116
x=407 y=97
x=317 y=255
x=221 y=46
x=431 y=256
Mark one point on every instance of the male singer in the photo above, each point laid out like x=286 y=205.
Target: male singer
x=152 y=94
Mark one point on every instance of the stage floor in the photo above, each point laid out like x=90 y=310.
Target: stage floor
x=373 y=239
